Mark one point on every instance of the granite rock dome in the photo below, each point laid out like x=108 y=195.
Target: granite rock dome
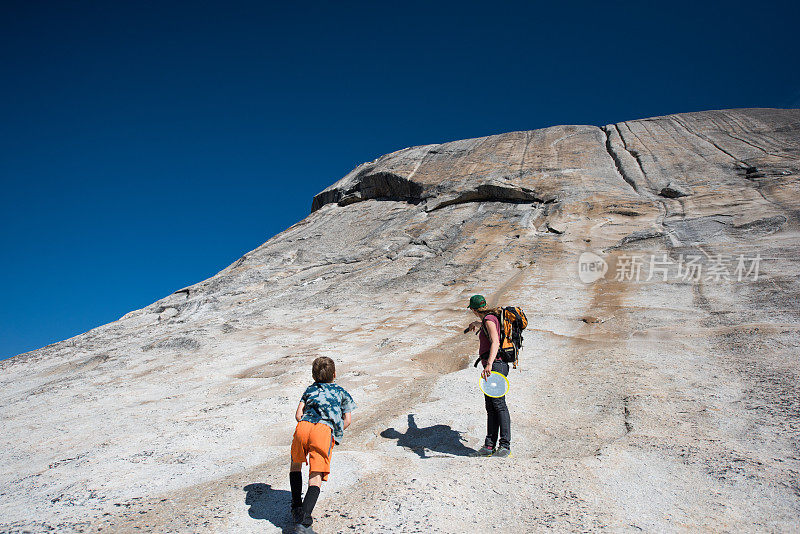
x=660 y=394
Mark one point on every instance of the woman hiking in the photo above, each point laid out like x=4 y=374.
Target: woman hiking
x=497 y=416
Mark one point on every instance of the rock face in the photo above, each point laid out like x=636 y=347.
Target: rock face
x=657 y=390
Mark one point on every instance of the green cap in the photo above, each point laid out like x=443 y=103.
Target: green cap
x=477 y=301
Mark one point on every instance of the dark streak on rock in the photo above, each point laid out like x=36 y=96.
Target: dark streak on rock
x=640 y=235
x=626 y=413
x=617 y=163
x=671 y=192
x=495 y=193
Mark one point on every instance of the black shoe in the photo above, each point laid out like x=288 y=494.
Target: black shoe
x=483 y=451
x=302 y=529
x=502 y=452
x=297 y=514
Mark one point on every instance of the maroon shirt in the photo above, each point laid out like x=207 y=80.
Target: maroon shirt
x=486 y=343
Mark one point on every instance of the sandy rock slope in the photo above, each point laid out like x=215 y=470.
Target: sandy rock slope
x=663 y=399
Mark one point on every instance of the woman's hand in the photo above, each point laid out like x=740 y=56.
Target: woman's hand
x=473 y=326
x=487 y=370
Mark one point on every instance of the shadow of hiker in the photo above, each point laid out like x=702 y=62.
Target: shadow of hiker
x=270 y=504
x=436 y=438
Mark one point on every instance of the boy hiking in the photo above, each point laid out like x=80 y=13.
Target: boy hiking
x=322 y=415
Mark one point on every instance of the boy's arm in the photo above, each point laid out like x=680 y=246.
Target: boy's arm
x=299 y=413
x=347 y=420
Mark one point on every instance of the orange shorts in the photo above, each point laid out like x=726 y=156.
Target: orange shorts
x=314 y=440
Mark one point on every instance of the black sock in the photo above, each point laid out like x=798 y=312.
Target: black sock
x=296 y=483
x=309 y=502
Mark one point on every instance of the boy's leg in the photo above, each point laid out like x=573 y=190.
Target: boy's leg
x=298 y=458
x=296 y=483
x=312 y=494
x=319 y=465
x=315 y=478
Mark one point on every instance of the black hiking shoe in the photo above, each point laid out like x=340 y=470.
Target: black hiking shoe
x=502 y=452
x=302 y=529
x=298 y=514
x=483 y=451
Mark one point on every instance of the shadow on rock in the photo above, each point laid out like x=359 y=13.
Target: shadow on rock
x=270 y=504
x=436 y=438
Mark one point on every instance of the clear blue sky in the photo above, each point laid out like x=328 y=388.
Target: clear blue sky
x=144 y=146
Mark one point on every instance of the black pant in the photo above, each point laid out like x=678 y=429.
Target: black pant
x=497 y=416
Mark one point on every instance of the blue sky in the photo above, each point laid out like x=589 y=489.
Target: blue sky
x=144 y=146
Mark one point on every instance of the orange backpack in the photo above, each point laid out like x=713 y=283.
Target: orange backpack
x=512 y=322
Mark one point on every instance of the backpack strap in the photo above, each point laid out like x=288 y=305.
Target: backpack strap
x=501 y=333
x=485 y=330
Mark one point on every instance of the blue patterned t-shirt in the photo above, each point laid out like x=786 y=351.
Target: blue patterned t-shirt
x=326 y=402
